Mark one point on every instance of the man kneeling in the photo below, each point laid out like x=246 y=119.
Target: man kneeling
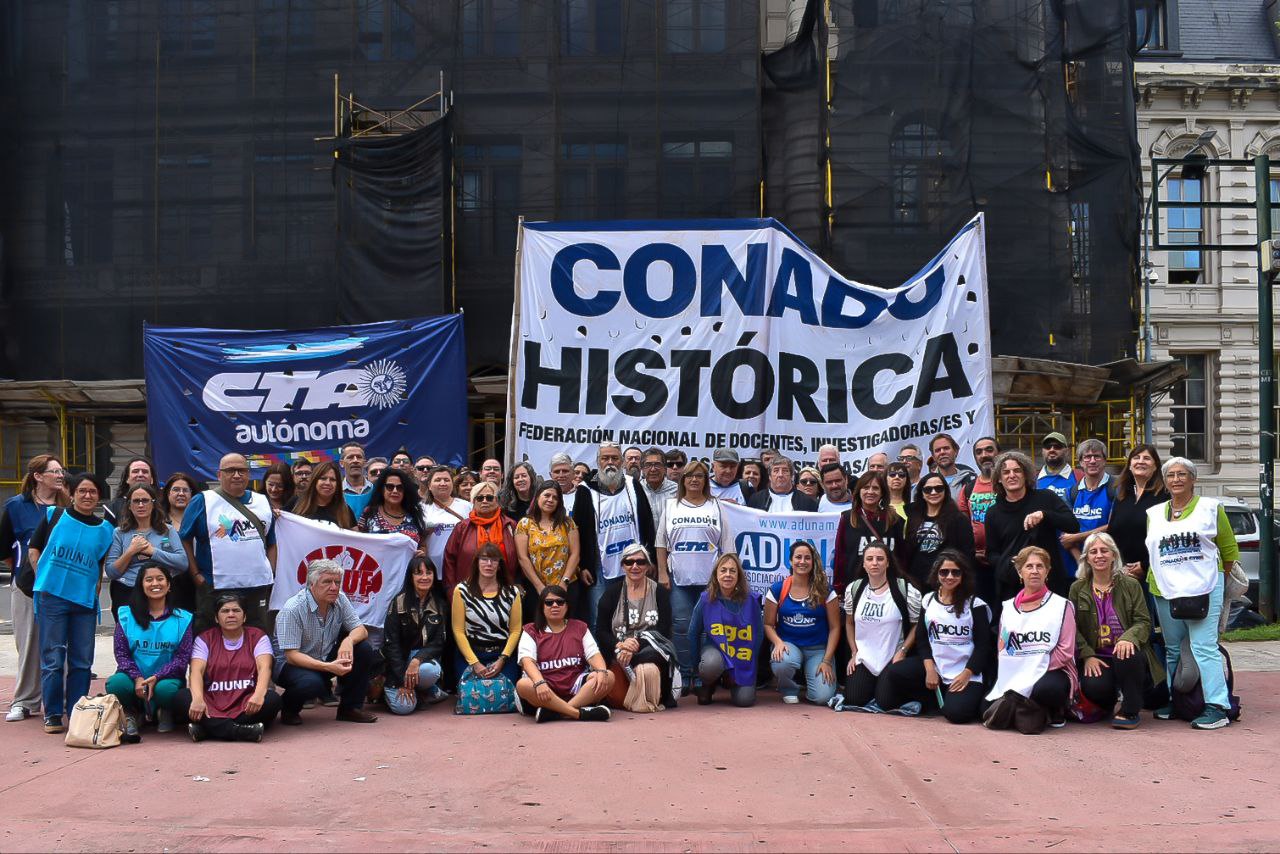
x=554 y=654
x=318 y=635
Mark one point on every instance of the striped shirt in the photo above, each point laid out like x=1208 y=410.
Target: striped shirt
x=488 y=622
x=299 y=626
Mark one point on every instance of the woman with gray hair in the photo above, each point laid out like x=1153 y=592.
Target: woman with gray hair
x=1113 y=632
x=1190 y=543
x=1025 y=516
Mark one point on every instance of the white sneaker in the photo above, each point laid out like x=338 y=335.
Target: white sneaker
x=16 y=713
x=790 y=699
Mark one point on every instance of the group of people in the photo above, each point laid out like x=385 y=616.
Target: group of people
x=618 y=584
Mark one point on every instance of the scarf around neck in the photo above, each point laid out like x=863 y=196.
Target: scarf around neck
x=627 y=622
x=489 y=530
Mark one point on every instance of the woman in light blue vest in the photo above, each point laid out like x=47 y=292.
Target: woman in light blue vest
x=67 y=550
x=153 y=643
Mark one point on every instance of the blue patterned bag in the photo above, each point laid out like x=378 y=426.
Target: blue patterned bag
x=477 y=696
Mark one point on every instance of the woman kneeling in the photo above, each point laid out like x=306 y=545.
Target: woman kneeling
x=564 y=673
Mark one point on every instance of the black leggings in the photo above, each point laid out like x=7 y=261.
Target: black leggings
x=220 y=728
x=1053 y=691
x=904 y=681
x=860 y=686
x=1124 y=678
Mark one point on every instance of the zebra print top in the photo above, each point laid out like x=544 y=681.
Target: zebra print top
x=488 y=619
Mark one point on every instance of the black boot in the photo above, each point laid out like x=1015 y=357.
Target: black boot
x=247 y=732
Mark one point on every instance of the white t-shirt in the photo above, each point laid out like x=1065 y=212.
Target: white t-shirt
x=732 y=492
x=779 y=503
x=695 y=537
x=528 y=648
x=877 y=625
x=438 y=524
x=826 y=505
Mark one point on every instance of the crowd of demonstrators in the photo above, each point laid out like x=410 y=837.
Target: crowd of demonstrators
x=969 y=593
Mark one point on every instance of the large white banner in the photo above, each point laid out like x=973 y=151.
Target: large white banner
x=735 y=334
x=373 y=565
x=764 y=541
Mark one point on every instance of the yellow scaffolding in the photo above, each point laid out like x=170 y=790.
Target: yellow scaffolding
x=1022 y=426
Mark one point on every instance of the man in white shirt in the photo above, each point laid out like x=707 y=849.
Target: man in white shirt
x=782 y=495
x=725 y=484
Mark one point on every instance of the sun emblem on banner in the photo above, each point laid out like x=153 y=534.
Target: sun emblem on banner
x=382 y=384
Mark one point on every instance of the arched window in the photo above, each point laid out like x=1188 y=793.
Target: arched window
x=916 y=155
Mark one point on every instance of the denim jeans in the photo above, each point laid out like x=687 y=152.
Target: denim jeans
x=808 y=658
x=594 y=593
x=683 y=600
x=1204 y=647
x=428 y=676
x=66 y=639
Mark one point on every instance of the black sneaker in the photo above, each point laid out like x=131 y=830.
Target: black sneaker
x=53 y=724
x=196 y=732
x=704 y=693
x=543 y=716
x=594 y=713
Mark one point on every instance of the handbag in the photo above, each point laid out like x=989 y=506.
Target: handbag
x=96 y=723
x=1189 y=607
x=480 y=696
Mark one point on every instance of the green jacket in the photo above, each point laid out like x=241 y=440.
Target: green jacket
x=1131 y=607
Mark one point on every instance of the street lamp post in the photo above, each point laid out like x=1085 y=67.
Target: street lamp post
x=1148 y=269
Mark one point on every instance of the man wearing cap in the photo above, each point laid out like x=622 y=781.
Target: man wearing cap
x=1057 y=475
x=725 y=484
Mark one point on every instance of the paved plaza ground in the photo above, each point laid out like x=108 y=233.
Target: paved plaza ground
x=771 y=778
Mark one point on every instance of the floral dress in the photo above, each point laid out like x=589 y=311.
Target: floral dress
x=548 y=550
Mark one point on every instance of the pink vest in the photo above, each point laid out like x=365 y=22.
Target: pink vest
x=561 y=659
x=230 y=676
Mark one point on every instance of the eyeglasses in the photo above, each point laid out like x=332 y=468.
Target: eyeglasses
x=907 y=458
x=675 y=465
x=896 y=474
x=1093 y=457
x=1054 y=446
x=423 y=468
x=635 y=561
x=808 y=481
x=480 y=498
x=139 y=502
x=949 y=573
x=57 y=472
x=235 y=472
x=932 y=490
x=393 y=487
x=554 y=603
x=179 y=490
x=651 y=465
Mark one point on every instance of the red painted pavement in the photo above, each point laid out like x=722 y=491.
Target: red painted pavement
x=696 y=779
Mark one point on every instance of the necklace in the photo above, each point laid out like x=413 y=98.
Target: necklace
x=1176 y=512
x=392 y=516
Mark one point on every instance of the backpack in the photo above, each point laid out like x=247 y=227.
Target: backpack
x=1188 y=699
x=96 y=723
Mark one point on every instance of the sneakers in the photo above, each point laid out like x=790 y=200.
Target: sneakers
x=909 y=709
x=196 y=732
x=791 y=699
x=545 y=716
x=131 y=734
x=164 y=721
x=836 y=703
x=1057 y=719
x=1125 y=722
x=356 y=716
x=594 y=713
x=16 y=713
x=1164 y=713
x=1211 y=718
x=247 y=732
x=53 y=724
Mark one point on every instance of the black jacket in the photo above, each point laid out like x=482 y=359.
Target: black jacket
x=584 y=516
x=603 y=633
x=799 y=501
x=1006 y=537
x=957 y=533
x=405 y=630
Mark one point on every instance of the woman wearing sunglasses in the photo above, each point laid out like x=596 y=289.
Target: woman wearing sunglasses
x=934 y=523
x=564 y=674
x=394 y=507
x=810 y=483
x=633 y=623
x=953 y=643
x=485 y=524
x=898 y=480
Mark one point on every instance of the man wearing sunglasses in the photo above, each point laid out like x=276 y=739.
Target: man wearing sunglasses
x=616 y=515
x=1057 y=476
x=910 y=457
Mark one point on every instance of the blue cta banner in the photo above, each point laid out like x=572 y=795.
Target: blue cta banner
x=276 y=395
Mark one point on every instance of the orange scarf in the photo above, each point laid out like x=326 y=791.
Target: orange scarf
x=489 y=530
